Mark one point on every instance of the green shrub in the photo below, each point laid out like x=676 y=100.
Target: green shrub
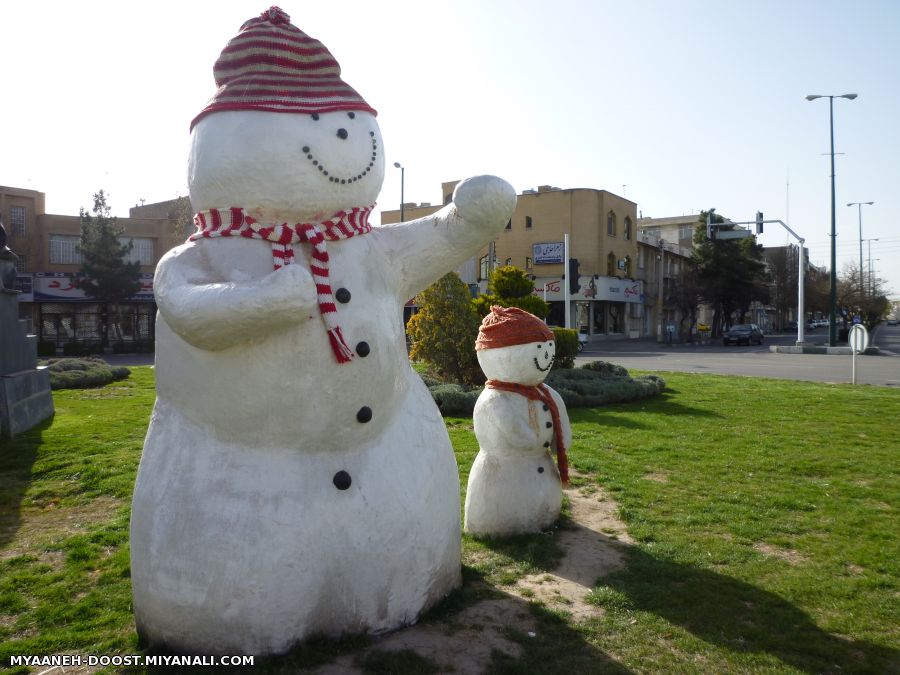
x=597 y=383
x=82 y=373
x=81 y=348
x=566 y=347
x=606 y=369
x=602 y=384
x=429 y=380
x=453 y=399
x=46 y=348
x=444 y=329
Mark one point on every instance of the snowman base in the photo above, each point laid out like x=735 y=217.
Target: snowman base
x=512 y=494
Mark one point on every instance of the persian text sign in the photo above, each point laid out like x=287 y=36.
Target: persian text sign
x=61 y=286
x=548 y=253
x=602 y=288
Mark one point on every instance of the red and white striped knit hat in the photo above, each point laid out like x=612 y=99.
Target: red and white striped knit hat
x=274 y=66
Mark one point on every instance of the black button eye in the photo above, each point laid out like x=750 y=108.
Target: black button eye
x=315 y=116
x=342 y=133
x=351 y=115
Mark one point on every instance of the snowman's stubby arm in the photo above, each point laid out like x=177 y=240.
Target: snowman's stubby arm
x=563 y=419
x=425 y=249
x=499 y=423
x=216 y=315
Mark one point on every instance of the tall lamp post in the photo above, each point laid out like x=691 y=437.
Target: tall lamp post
x=402 y=180
x=871 y=285
x=862 y=284
x=832 y=300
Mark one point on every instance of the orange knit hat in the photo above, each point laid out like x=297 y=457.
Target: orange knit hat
x=274 y=66
x=507 y=326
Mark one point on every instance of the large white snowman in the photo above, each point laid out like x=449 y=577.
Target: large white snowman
x=514 y=486
x=297 y=478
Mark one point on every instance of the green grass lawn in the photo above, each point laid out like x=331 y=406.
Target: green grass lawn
x=764 y=514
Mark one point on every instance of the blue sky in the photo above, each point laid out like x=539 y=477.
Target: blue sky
x=688 y=105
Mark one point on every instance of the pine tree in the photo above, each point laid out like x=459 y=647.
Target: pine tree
x=510 y=287
x=444 y=330
x=105 y=274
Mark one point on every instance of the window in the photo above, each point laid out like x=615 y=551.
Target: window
x=627 y=269
x=611 y=265
x=141 y=250
x=627 y=228
x=528 y=222
x=20 y=264
x=509 y=224
x=686 y=232
x=611 y=224
x=17 y=220
x=642 y=252
x=529 y=263
x=483 y=266
x=64 y=249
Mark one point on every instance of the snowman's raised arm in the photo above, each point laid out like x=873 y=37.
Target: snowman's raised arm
x=423 y=250
x=216 y=315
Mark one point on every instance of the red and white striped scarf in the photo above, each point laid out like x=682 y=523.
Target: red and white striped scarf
x=234 y=222
x=541 y=393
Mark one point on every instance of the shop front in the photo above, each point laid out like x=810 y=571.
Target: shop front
x=63 y=315
x=602 y=305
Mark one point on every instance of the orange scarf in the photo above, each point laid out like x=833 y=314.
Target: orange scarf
x=541 y=393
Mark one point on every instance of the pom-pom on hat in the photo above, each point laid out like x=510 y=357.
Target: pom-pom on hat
x=274 y=66
x=508 y=326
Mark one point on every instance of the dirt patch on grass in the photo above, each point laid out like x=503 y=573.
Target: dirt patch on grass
x=593 y=545
x=36 y=527
x=656 y=477
x=787 y=554
x=464 y=646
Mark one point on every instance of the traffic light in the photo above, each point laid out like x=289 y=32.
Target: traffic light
x=574 y=285
x=759 y=222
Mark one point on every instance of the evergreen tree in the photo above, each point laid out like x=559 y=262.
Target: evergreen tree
x=106 y=276
x=509 y=286
x=444 y=330
x=731 y=273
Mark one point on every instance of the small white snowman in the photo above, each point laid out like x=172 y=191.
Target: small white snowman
x=514 y=486
x=297 y=478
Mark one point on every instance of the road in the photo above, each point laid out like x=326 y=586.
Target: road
x=757 y=361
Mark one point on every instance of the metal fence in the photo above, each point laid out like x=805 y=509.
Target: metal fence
x=65 y=323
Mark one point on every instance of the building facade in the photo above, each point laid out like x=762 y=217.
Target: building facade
x=49 y=261
x=609 y=298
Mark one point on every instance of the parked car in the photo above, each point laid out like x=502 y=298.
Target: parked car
x=747 y=333
x=892 y=322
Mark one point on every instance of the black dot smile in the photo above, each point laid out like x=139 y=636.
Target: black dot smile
x=549 y=364
x=316 y=162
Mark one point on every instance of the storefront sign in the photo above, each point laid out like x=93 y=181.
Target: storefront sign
x=548 y=254
x=609 y=289
x=60 y=286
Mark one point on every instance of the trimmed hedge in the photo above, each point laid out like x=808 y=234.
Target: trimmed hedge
x=566 y=347
x=82 y=373
x=46 y=348
x=594 y=384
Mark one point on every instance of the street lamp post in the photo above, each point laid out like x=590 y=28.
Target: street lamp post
x=402 y=181
x=871 y=285
x=862 y=284
x=832 y=300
